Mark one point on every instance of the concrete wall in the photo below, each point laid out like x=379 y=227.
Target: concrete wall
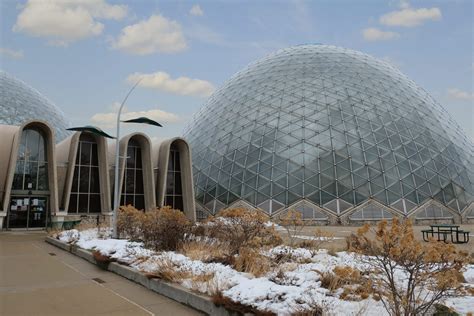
x=12 y=141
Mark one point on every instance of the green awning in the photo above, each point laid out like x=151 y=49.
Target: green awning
x=143 y=120
x=91 y=129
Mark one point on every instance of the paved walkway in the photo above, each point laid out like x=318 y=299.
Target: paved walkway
x=39 y=279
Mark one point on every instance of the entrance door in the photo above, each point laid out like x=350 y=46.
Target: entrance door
x=28 y=212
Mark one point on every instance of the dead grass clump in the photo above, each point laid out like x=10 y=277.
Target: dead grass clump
x=205 y=250
x=101 y=260
x=166 y=270
x=204 y=283
x=282 y=278
x=339 y=277
x=252 y=261
x=242 y=309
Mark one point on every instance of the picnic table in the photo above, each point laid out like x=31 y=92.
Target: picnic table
x=444 y=231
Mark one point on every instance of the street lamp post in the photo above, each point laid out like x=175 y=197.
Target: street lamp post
x=98 y=131
x=117 y=152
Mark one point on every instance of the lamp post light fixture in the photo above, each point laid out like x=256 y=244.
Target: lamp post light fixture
x=141 y=120
x=98 y=131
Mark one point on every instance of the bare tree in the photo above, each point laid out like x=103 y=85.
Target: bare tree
x=412 y=276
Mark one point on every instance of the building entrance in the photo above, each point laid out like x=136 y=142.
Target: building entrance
x=28 y=212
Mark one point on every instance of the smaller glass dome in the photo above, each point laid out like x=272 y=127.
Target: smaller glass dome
x=19 y=103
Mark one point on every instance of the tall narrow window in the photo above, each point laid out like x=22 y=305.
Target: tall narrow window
x=85 y=191
x=132 y=189
x=174 y=190
x=31 y=172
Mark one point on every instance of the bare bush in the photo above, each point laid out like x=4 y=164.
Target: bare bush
x=129 y=223
x=316 y=242
x=240 y=228
x=293 y=223
x=159 y=229
x=164 y=228
x=429 y=271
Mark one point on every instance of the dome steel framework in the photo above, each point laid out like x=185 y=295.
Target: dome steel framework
x=332 y=131
x=20 y=103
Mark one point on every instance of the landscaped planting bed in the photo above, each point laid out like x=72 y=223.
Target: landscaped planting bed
x=259 y=274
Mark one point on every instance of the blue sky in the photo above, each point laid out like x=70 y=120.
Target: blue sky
x=84 y=55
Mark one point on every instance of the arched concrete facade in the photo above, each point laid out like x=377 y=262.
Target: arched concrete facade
x=11 y=138
x=147 y=165
x=162 y=160
x=66 y=152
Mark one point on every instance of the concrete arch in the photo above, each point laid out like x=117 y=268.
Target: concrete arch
x=346 y=217
x=147 y=166
x=468 y=214
x=324 y=216
x=12 y=135
x=186 y=174
x=66 y=156
x=436 y=206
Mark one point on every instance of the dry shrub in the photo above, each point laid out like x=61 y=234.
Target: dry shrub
x=240 y=228
x=241 y=309
x=205 y=250
x=433 y=267
x=252 y=261
x=164 y=228
x=129 y=223
x=160 y=229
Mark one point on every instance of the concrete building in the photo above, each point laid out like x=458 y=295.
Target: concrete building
x=44 y=183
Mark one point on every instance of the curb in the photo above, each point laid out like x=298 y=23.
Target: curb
x=173 y=291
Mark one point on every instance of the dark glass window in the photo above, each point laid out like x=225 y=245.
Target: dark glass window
x=174 y=190
x=85 y=191
x=31 y=172
x=132 y=189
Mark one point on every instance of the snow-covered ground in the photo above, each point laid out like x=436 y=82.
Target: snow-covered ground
x=300 y=289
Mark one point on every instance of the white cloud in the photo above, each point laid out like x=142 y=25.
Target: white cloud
x=183 y=85
x=157 y=34
x=63 y=21
x=410 y=17
x=196 y=10
x=373 y=34
x=458 y=94
x=108 y=120
x=15 y=54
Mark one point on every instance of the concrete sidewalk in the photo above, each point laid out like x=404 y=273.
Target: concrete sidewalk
x=39 y=279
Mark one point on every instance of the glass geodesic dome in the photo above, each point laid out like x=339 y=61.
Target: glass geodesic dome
x=20 y=103
x=332 y=127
